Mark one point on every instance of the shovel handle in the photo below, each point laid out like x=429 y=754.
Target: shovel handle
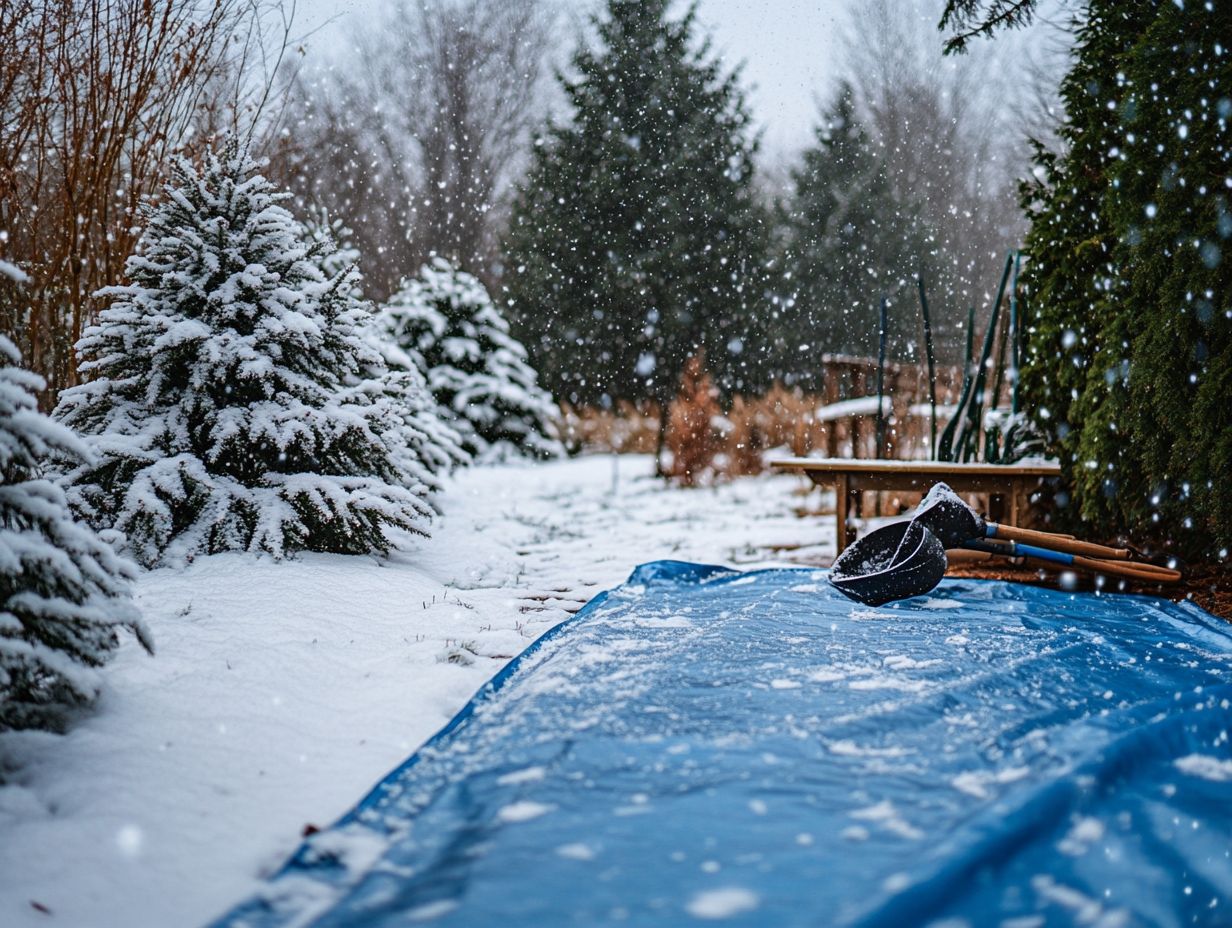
x=1057 y=542
x=1149 y=573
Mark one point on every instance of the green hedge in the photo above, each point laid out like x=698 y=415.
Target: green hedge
x=1129 y=288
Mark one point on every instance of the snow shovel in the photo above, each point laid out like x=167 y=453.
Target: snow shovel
x=893 y=562
x=908 y=558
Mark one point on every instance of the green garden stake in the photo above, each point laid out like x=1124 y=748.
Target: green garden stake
x=1015 y=337
x=969 y=436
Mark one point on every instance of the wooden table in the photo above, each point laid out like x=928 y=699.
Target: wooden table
x=850 y=477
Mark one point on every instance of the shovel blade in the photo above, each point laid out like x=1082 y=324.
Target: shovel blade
x=894 y=562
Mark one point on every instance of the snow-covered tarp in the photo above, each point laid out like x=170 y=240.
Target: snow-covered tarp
x=703 y=744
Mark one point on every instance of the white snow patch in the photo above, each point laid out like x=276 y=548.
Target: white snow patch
x=355 y=847
x=933 y=603
x=886 y=815
x=827 y=675
x=528 y=775
x=889 y=683
x=523 y=811
x=903 y=662
x=872 y=615
x=1078 y=840
x=846 y=748
x=783 y=684
x=977 y=782
x=431 y=911
x=860 y=406
x=896 y=882
x=722 y=903
x=1208 y=768
x=576 y=851
x=13 y=272
x=1086 y=911
x=671 y=621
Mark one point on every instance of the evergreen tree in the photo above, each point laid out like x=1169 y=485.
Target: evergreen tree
x=429 y=446
x=63 y=593
x=1129 y=359
x=227 y=408
x=848 y=242
x=445 y=321
x=334 y=239
x=637 y=239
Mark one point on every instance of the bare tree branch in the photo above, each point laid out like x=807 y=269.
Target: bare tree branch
x=97 y=94
x=416 y=144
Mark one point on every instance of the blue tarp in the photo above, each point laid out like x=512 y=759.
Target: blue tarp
x=706 y=744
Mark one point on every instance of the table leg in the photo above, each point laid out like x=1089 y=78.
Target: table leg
x=840 y=513
x=996 y=507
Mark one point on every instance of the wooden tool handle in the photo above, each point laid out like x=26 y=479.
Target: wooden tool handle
x=1148 y=572
x=1060 y=542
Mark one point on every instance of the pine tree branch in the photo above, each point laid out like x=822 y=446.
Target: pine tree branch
x=970 y=19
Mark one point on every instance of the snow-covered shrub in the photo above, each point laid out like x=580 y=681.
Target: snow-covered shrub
x=63 y=592
x=226 y=402
x=430 y=447
x=338 y=252
x=476 y=370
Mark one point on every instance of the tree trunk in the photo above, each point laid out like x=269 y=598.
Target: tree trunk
x=664 y=415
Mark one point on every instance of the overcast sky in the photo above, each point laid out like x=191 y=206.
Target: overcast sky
x=788 y=47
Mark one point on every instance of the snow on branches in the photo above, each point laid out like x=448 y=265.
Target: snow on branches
x=446 y=322
x=231 y=402
x=63 y=592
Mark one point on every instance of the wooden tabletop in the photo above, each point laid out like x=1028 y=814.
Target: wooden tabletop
x=874 y=466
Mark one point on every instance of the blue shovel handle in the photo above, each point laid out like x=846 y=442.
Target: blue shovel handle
x=1015 y=549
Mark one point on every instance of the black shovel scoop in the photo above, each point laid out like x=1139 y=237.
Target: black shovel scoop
x=893 y=562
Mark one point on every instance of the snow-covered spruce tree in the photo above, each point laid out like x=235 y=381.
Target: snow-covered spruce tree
x=63 y=592
x=432 y=446
x=339 y=256
x=429 y=446
x=225 y=404
x=476 y=370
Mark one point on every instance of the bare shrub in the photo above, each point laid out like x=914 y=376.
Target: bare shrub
x=94 y=97
x=696 y=427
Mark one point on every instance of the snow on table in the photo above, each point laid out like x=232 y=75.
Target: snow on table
x=843 y=409
x=281 y=691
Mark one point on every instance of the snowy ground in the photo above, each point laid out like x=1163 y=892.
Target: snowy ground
x=282 y=691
